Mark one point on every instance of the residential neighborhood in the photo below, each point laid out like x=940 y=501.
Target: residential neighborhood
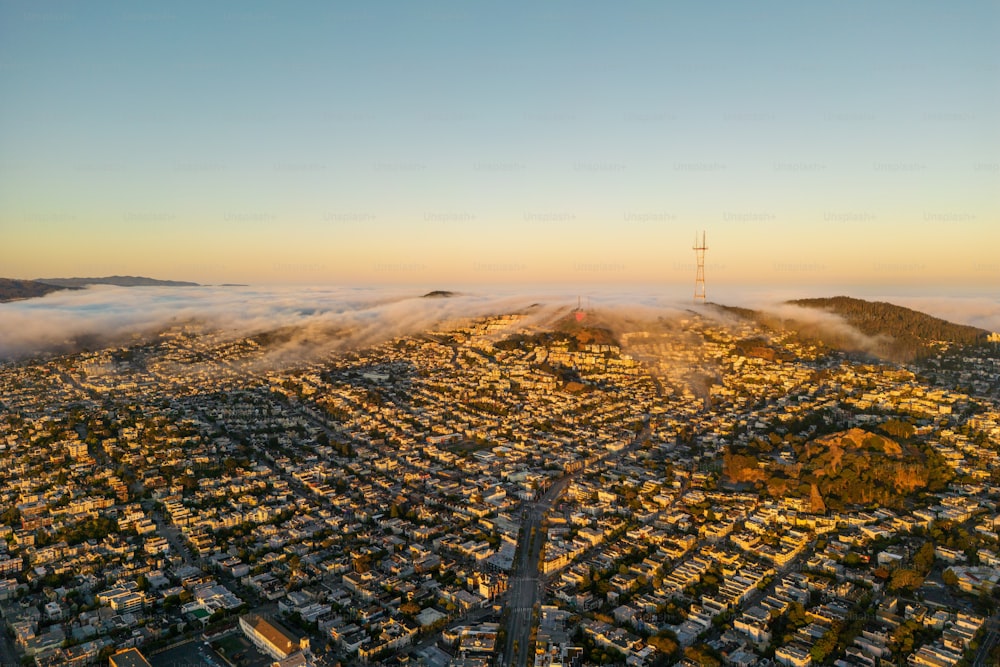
x=195 y=498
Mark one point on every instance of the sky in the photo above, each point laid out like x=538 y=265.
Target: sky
x=852 y=147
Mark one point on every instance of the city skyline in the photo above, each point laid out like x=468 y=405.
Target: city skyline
x=853 y=146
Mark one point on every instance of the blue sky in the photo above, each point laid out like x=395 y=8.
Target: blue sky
x=851 y=144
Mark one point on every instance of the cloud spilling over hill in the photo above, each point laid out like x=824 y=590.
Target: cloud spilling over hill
x=311 y=320
x=809 y=323
x=878 y=328
x=908 y=334
x=977 y=311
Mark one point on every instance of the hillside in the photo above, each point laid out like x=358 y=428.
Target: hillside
x=911 y=331
x=120 y=281
x=14 y=290
x=852 y=467
x=588 y=329
x=882 y=329
x=575 y=340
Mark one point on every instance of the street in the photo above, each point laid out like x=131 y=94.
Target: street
x=524 y=590
x=989 y=640
x=8 y=656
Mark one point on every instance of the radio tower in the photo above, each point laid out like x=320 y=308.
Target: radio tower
x=699 y=278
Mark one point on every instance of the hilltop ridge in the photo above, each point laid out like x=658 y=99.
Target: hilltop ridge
x=12 y=289
x=120 y=281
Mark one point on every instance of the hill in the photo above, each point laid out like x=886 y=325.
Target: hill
x=574 y=341
x=120 y=281
x=14 y=290
x=845 y=468
x=882 y=329
x=568 y=334
x=913 y=333
x=439 y=294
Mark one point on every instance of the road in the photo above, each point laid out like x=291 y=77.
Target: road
x=525 y=585
x=8 y=656
x=989 y=640
x=172 y=535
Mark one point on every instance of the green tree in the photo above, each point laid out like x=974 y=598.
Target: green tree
x=905 y=579
x=703 y=655
x=824 y=645
x=898 y=429
x=664 y=644
x=10 y=517
x=901 y=641
x=852 y=559
x=923 y=560
x=797 y=616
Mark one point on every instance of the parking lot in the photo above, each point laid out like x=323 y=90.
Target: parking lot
x=191 y=654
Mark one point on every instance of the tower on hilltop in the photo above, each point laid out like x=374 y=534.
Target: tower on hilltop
x=699 y=277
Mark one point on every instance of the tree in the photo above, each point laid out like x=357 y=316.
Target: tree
x=898 y=429
x=985 y=604
x=824 y=645
x=10 y=517
x=664 y=643
x=902 y=638
x=949 y=577
x=797 y=616
x=905 y=578
x=852 y=559
x=702 y=655
x=923 y=560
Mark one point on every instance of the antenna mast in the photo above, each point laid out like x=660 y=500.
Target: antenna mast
x=699 y=278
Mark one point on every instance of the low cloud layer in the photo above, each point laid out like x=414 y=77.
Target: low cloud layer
x=826 y=326
x=313 y=318
x=318 y=320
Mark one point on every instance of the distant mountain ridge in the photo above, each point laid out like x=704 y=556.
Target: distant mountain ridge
x=120 y=281
x=15 y=290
